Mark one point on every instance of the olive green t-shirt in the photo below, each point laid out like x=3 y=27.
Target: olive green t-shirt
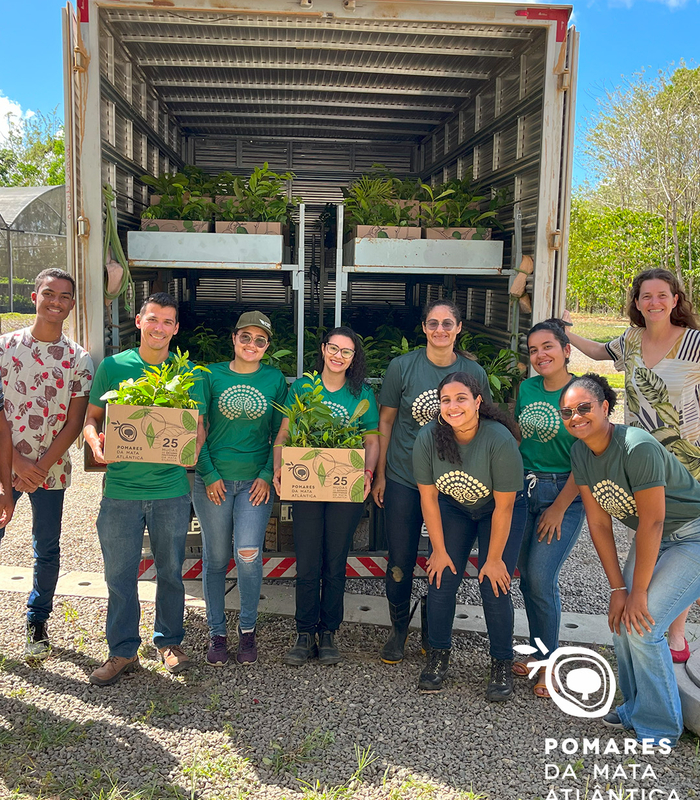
x=490 y=462
x=546 y=444
x=242 y=422
x=410 y=385
x=342 y=402
x=634 y=461
x=128 y=480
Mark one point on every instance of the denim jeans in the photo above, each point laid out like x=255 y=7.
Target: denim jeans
x=47 y=509
x=652 y=705
x=540 y=563
x=120 y=527
x=461 y=527
x=403 y=520
x=235 y=524
x=323 y=534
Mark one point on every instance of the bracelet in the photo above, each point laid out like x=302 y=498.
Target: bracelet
x=619 y=589
x=370 y=473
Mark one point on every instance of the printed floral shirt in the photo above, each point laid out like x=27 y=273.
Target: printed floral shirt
x=38 y=380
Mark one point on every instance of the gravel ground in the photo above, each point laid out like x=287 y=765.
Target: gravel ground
x=272 y=731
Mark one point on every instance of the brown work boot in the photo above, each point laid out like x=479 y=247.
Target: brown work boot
x=112 y=670
x=174 y=658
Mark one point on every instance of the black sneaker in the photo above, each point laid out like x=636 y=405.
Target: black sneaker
x=304 y=649
x=328 y=653
x=501 y=683
x=612 y=720
x=37 y=646
x=435 y=670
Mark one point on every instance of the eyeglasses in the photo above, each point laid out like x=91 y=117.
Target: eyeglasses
x=434 y=324
x=581 y=409
x=258 y=341
x=333 y=349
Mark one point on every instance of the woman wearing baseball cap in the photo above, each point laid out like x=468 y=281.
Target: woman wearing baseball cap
x=232 y=494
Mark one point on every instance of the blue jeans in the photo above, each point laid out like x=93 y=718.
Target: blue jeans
x=47 y=509
x=540 y=563
x=652 y=705
x=120 y=527
x=238 y=524
x=461 y=527
x=403 y=520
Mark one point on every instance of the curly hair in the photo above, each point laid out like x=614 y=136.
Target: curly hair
x=682 y=315
x=597 y=385
x=443 y=434
x=554 y=326
x=357 y=371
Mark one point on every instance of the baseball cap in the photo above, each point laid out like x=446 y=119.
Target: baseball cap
x=256 y=318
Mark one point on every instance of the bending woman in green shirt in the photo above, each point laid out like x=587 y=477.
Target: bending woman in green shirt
x=232 y=497
x=323 y=532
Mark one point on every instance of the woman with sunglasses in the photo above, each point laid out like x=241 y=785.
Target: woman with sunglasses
x=468 y=470
x=548 y=513
x=624 y=472
x=660 y=356
x=232 y=497
x=408 y=401
x=323 y=531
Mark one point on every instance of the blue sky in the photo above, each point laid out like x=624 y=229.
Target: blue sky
x=617 y=38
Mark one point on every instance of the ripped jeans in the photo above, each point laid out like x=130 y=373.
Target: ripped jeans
x=239 y=523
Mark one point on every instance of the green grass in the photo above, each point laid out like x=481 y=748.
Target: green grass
x=599 y=329
x=288 y=759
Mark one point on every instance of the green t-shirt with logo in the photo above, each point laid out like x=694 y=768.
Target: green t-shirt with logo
x=546 y=444
x=128 y=480
x=634 y=461
x=342 y=402
x=410 y=386
x=490 y=462
x=242 y=422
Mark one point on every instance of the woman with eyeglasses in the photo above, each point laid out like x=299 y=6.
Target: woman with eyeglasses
x=408 y=400
x=548 y=513
x=323 y=531
x=624 y=472
x=232 y=497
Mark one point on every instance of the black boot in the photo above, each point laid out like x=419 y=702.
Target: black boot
x=435 y=670
x=424 y=643
x=501 y=683
x=328 y=653
x=36 y=646
x=392 y=652
x=304 y=649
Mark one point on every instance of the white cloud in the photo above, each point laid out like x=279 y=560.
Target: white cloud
x=12 y=108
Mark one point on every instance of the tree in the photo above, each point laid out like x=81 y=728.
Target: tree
x=33 y=152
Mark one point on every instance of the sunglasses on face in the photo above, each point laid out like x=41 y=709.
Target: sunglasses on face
x=581 y=409
x=333 y=349
x=258 y=341
x=434 y=324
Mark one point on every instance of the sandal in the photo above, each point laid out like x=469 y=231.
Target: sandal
x=540 y=688
x=521 y=668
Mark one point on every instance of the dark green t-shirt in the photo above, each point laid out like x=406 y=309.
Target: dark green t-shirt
x=546 y=444
x=410 y=385
x=128 y=480
x=490 y=462
x=343 y=402
x=633 y=461
x=242 y=422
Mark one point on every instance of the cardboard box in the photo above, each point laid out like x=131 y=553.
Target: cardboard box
x=176 y=225
x=387 y=232
x=150 y=434
x=266 y=228
x=327 y=475
x=465 y=234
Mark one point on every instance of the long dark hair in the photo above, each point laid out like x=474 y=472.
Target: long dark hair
x=597 y=385
x=682 y=315
x=554 y=326
x=444 y=436
x=357 y=371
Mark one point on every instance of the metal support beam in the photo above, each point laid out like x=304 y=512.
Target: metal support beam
x=320 y=117
x=236 y=100
x=299 y=281
x=339 y=274
x=281 y=127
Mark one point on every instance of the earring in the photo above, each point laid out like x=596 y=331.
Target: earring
x=440 y=420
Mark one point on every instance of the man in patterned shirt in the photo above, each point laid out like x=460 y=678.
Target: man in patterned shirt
x=46 y=380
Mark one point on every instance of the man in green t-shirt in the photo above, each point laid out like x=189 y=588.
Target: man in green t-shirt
x=137 y=496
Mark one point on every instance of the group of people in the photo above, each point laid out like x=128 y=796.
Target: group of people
x=444 y=455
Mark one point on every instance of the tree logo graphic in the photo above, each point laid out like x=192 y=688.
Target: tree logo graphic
x=539 y=421
x=425 y=407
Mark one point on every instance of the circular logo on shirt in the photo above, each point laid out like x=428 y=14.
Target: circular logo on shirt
x=425 y=407
x=615 y=500
x=242 y=401
x=539 y=421
x=462 y=487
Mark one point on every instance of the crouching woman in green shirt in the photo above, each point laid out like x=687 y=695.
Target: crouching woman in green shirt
x=232 y=497
x=323 y=531
x=468 y=469
x=624 y=472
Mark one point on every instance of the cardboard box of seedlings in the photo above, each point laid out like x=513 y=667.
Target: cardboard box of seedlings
x=150 y=434
x=323 y=474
